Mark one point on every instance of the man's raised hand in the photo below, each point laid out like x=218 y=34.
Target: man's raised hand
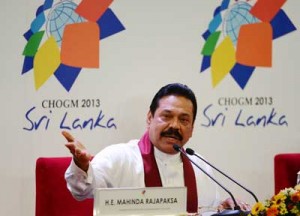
x=80 y=155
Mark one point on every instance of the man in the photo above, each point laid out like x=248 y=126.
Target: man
x=150 y=161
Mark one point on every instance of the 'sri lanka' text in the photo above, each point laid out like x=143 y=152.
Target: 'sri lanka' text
x=242 y=118
x=44 y=122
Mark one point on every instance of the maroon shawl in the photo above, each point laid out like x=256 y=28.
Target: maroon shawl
x=152 y=176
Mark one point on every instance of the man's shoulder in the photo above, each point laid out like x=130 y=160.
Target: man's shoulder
x=132 y=144
x=118 y=152
x=130 y=147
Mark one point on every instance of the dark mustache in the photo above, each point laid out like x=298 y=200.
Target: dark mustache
x=172 y=132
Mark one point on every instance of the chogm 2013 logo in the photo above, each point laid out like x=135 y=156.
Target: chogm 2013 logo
x=65 y=37
x=249 y=28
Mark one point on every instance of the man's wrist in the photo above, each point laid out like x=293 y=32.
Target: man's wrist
x=83 y=166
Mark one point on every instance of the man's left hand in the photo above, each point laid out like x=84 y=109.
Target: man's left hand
x=229 y=204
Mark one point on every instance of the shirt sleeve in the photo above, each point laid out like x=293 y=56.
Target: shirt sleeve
x=118 y=165
x=80 y=183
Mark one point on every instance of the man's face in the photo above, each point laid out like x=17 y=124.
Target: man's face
x=171 y=124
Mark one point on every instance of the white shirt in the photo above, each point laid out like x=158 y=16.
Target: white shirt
x=121 y=165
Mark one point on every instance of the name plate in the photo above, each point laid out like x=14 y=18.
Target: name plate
x=140 y=201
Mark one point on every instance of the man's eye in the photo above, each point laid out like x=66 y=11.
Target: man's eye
x=166 y=116
x=185 y=120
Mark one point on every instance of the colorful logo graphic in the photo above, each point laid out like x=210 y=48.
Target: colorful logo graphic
x=65 y=37
x=239 y=38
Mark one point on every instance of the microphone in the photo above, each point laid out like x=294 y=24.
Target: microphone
x=237 y=210
x=192 y=152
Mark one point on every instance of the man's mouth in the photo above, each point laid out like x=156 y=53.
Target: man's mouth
x=172 y=137
x=171 y=133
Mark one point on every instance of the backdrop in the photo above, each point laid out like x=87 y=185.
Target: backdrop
x=92 y=68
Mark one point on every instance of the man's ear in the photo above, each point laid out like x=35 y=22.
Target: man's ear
x=192 y=131
x=149 y=117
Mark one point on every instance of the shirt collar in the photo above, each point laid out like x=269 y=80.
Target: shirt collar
x=167 y=158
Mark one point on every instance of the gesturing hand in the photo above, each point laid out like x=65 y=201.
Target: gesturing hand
x=229 y=204
x=80 y=155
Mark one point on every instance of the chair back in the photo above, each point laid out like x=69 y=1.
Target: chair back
x=52 y=196
x=286 y=167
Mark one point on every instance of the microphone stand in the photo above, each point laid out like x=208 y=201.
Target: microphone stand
x=237 y=210
x=192 y=152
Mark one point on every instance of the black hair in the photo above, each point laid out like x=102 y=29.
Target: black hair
x=177 y=89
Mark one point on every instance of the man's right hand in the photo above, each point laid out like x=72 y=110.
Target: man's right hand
x=80 y=155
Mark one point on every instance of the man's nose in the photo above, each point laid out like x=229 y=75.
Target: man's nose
x=175 y=124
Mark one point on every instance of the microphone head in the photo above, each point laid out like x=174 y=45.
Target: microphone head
x=176 y=147
x=190 y=151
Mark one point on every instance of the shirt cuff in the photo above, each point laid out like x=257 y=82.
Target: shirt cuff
x=88 y=176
